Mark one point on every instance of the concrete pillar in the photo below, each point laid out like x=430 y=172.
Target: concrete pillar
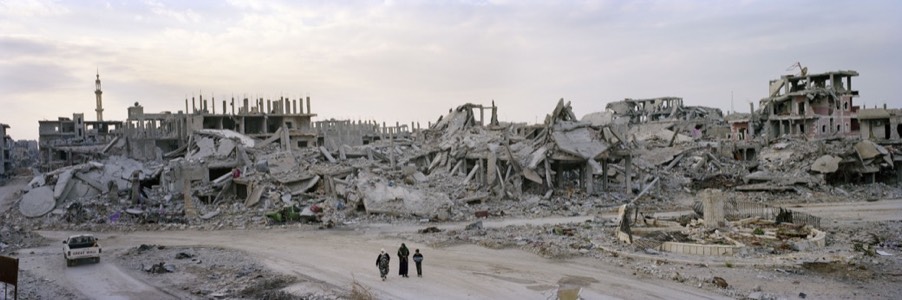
x=712 y=202
x=627 y=167
x=246 y=110
x=481 y=116
x=294 y=105
x=224 y=111
x=589 y=180
x=751 y=117
x=604 y=175
x=268 y=106
x=308 y=105
x=193 y=106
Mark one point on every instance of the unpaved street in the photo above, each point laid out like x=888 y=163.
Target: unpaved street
x=329 y=259
x=848 y=212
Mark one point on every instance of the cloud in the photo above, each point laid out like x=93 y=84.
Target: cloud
x=33 y=78
x=31 y=8
x=18 y=46
x=412 y=60
x=185 y=16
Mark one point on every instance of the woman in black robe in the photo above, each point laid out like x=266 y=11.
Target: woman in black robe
x=403 y=254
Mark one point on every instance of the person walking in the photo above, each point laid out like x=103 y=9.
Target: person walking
x=382 y=263
x=418 y=260
x=403 y=254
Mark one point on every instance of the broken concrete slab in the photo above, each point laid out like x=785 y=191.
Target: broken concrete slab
x=578 y=141
x=62 y=187
x=206 y=147
x=281 y=163
x=302 y=186
x=826 y=164
x=246 y=141
x=867 y=149
x=37 y=202
x=225 y=149
x=91 y=182
x=380 y=197
x=254 y=197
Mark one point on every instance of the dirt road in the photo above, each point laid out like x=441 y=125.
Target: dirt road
x=850 y=212
x=329 y=259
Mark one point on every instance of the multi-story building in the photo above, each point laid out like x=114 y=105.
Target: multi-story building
x=68 y=141
x=5 y=151
x=812 y=105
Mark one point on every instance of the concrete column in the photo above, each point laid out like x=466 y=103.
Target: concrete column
x=481 y=116
x=627 y=167
x=294 y=104
x=308 y=105
x=589 y=180
x=604 y=175
x=712 y=201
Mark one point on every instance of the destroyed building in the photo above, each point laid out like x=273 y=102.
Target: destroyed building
x=6 y=161
x=811 y=105
x=261 y=119
x=24 y=153
x=696 y=121
x=333 y=134
x=880 y=125
x=68 y=141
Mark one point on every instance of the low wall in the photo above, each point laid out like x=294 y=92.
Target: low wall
x=699 y=249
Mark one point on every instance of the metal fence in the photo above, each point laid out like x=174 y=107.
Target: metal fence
x=741 y=210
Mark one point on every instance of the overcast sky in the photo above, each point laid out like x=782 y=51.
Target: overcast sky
x=413 y=60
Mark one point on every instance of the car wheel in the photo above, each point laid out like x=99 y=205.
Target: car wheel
x=68 y=262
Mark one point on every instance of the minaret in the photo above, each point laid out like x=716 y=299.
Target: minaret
x=97 y=92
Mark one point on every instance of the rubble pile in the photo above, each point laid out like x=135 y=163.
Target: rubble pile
x=456 y=168
x=211 y=273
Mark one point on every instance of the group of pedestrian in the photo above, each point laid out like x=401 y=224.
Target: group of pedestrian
x=403 y=256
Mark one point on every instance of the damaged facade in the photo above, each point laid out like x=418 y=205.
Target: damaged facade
x=68 y=141
x=270 y=163
x=811 y=105
x=881 y=125
x=6 y=161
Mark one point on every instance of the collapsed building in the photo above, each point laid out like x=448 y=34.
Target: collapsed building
x=271 y=159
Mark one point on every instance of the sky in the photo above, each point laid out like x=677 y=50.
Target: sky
x=404 y=61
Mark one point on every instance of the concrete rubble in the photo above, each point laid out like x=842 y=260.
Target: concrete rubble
x=638 y=157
